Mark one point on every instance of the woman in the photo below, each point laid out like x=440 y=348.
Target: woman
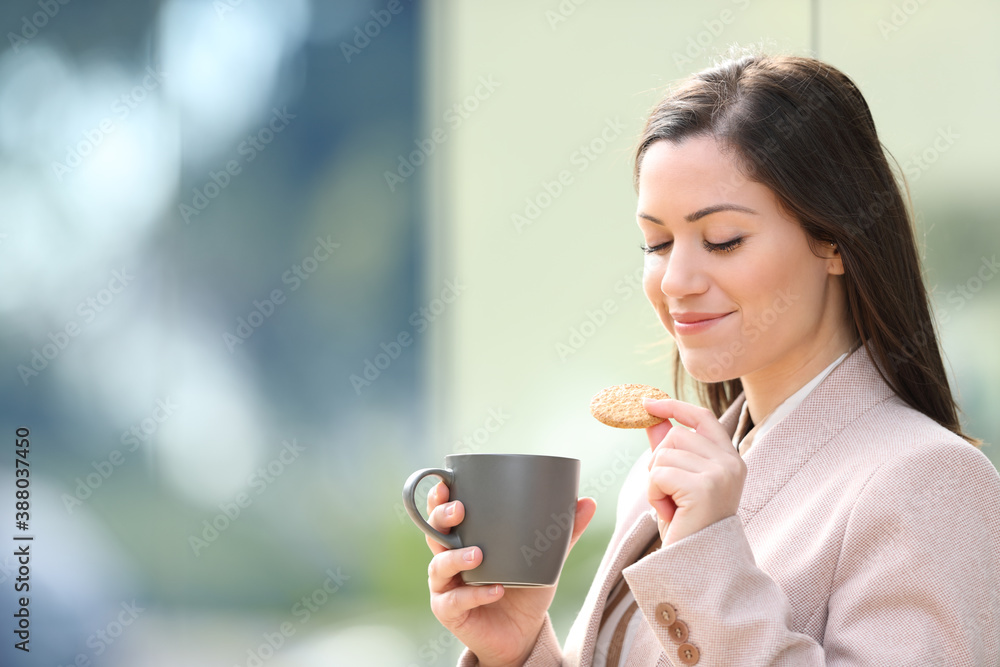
x=828 y=509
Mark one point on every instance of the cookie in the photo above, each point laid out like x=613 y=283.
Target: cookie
x=621 y=406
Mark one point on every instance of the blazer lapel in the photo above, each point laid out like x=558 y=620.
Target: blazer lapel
x=639 y=535
x=730 y=419
x=643 y=530
x=852 y=388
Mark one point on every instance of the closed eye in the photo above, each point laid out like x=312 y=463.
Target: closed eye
x=651 y=250
x=728 y=246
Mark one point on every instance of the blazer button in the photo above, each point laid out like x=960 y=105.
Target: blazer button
x=688 y=654
x=665 y=614
x=678 y=630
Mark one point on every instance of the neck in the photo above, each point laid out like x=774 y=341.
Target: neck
x=768 y=387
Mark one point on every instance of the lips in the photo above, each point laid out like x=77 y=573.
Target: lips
x=692 y=323
x=693 y=317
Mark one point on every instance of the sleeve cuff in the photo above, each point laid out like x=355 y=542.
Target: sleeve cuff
x=546 y=653
x=706 y=600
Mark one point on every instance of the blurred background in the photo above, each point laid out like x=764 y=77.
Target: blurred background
x=261 y=259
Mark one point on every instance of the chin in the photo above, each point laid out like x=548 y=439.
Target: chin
x=704 y=366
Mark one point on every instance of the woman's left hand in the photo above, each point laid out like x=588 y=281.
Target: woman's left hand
x=695 y=477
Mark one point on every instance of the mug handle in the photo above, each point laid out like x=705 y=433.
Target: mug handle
x=409 y=490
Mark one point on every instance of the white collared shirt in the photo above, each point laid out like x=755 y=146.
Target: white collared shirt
x=743 y=442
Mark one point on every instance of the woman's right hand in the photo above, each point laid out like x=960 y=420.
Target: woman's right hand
x=499 y=625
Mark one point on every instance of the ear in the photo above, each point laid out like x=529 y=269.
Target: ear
x=835 y=263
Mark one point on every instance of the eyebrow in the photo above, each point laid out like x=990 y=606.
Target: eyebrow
x=701 y=213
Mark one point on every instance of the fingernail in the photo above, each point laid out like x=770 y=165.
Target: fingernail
x=495 y=590
x=469 y=555
x=451 y=510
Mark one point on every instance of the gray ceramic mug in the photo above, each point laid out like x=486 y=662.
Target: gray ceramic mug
x=519 y=509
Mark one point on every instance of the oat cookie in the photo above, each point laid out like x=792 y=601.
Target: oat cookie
x=621 y=406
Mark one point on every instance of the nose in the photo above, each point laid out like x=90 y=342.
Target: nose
x=683 y=273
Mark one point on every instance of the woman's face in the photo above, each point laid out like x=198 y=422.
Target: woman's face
x=730 y=275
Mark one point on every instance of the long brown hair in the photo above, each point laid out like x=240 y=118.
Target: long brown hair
x=803 y=129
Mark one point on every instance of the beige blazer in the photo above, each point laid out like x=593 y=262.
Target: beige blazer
x=867 y=534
